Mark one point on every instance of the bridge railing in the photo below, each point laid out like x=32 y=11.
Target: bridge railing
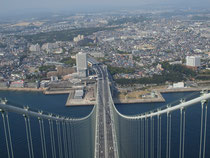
x=27 y=133
x=157 y=132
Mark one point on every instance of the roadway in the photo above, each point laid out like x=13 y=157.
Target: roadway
x=104 y=129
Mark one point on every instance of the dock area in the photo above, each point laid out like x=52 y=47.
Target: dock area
x=89 y=99
x=56 y=92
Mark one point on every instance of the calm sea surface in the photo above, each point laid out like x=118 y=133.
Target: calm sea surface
x=56 y=104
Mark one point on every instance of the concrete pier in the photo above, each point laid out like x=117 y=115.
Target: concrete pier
x=89 y=99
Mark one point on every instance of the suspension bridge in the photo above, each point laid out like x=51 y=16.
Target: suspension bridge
x=105 y=132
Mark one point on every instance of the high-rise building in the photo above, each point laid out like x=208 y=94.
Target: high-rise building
x=81 y=60
x=193 y=61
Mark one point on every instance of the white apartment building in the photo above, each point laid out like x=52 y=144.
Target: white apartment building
x=194 y=61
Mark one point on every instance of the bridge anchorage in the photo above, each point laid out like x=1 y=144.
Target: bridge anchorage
x=105 y=132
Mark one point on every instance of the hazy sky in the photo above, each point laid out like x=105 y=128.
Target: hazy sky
x=21 y=6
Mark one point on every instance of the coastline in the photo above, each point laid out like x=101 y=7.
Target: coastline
x=174 y=90
x=24 y=89
x=84 y=102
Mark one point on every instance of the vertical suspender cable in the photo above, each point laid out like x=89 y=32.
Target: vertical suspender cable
x=75 y=147
x=27 y=135
x=51 y=139
x=69 y=138
x=10 y=138
x=31 y=142
x=169 y=141
x=59 y=140
x=60 y=133
x=167 y=134
x=137 y=145
x=72 y=142
x=143 y=131
x=158 y=135
x=44 y=140
x=59 y=125
x=151 y=139
x=142 y=138
x=183 y=134
x=201 y=130
x=53 y=136
x=131 y=134
x=146 y=137
x=204 y=142
x=64 y=140
x=180 y=137
x=41 y=135
x=160 y=138
x=5 y=133
x=59 y=151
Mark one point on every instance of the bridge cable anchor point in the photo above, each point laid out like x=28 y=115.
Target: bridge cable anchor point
x=50 y=115
x=203 y=92
x=168 y=107
x=26 y=108
x=182 y=100
x=203 y=101
x=40 y=112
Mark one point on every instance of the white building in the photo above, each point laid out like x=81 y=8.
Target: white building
x=78 y=94
x=78 y=38
x=97 y=54
x=81 y=61
x=194 y=61
x=34 y=48
x=50 y=46
x=178 y=85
